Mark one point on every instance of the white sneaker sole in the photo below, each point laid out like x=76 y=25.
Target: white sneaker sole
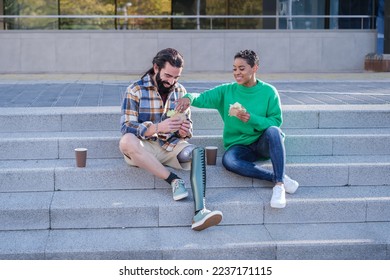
x=212 y=219
x=291 y=190
x=278 y=205
x=181 y=196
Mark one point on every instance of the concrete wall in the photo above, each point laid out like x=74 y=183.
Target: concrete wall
x=132 y=51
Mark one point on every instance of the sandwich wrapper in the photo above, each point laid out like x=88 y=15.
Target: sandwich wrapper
x=235 y=108
x=176 y=114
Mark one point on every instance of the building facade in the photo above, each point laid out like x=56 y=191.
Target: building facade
x=102 y=36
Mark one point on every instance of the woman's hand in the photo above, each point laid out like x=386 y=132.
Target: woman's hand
x=243 y=116
x=182 y=104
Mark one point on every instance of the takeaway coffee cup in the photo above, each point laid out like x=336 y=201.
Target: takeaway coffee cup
x=81 y=157
x=211 y=155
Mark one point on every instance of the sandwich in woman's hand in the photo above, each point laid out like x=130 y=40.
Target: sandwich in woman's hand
x=235 y=108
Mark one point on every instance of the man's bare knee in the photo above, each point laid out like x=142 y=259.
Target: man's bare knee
x=128 y=144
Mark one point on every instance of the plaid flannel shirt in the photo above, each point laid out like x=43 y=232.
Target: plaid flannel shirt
x=142 y=106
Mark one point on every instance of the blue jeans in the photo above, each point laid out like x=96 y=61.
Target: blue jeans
x=240 y=158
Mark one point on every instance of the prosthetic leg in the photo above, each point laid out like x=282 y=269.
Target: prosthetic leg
x=203 y=218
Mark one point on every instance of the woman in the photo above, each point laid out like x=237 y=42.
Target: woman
x=252 y=115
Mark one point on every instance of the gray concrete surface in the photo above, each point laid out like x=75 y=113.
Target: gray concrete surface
x=80 y=90
x=50 y=209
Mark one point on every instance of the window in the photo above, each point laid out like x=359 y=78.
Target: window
x=142 y=7
x=29 y=7
x=86 y=7
x=189 y=14
x=217 y=8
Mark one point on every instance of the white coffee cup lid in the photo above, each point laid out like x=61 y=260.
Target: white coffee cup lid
x=81 y=149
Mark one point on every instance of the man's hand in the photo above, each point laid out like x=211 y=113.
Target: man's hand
x=170 y=125
x=184 y=129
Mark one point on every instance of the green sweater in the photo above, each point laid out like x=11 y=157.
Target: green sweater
x=261 y=102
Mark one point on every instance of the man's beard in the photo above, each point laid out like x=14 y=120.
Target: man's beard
x=161 y=85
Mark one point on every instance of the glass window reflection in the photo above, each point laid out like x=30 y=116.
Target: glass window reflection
x=284 y=14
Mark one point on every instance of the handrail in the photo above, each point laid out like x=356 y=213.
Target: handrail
x=187 y=16
x=289 y=18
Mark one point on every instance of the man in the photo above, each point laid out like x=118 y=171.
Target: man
x=154 y=136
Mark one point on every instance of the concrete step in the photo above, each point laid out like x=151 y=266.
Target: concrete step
x=52 y=210
x=156 y=208
x=107 y=118
x=336 y=241
x=104 y=144
x=115 y=174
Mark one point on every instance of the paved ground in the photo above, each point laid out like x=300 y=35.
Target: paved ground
x=55 y=90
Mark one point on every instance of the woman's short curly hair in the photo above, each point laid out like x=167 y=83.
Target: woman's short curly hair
x=249 y=56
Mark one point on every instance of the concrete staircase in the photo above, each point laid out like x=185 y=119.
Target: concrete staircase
x=50 y=209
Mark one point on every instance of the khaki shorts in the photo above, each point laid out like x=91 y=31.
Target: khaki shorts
x=166 y=158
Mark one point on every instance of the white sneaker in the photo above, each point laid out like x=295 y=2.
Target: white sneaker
x=278 y=199
x=290 y=185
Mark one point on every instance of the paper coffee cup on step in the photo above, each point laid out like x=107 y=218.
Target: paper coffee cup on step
x=81 y=157
x=211 y=155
